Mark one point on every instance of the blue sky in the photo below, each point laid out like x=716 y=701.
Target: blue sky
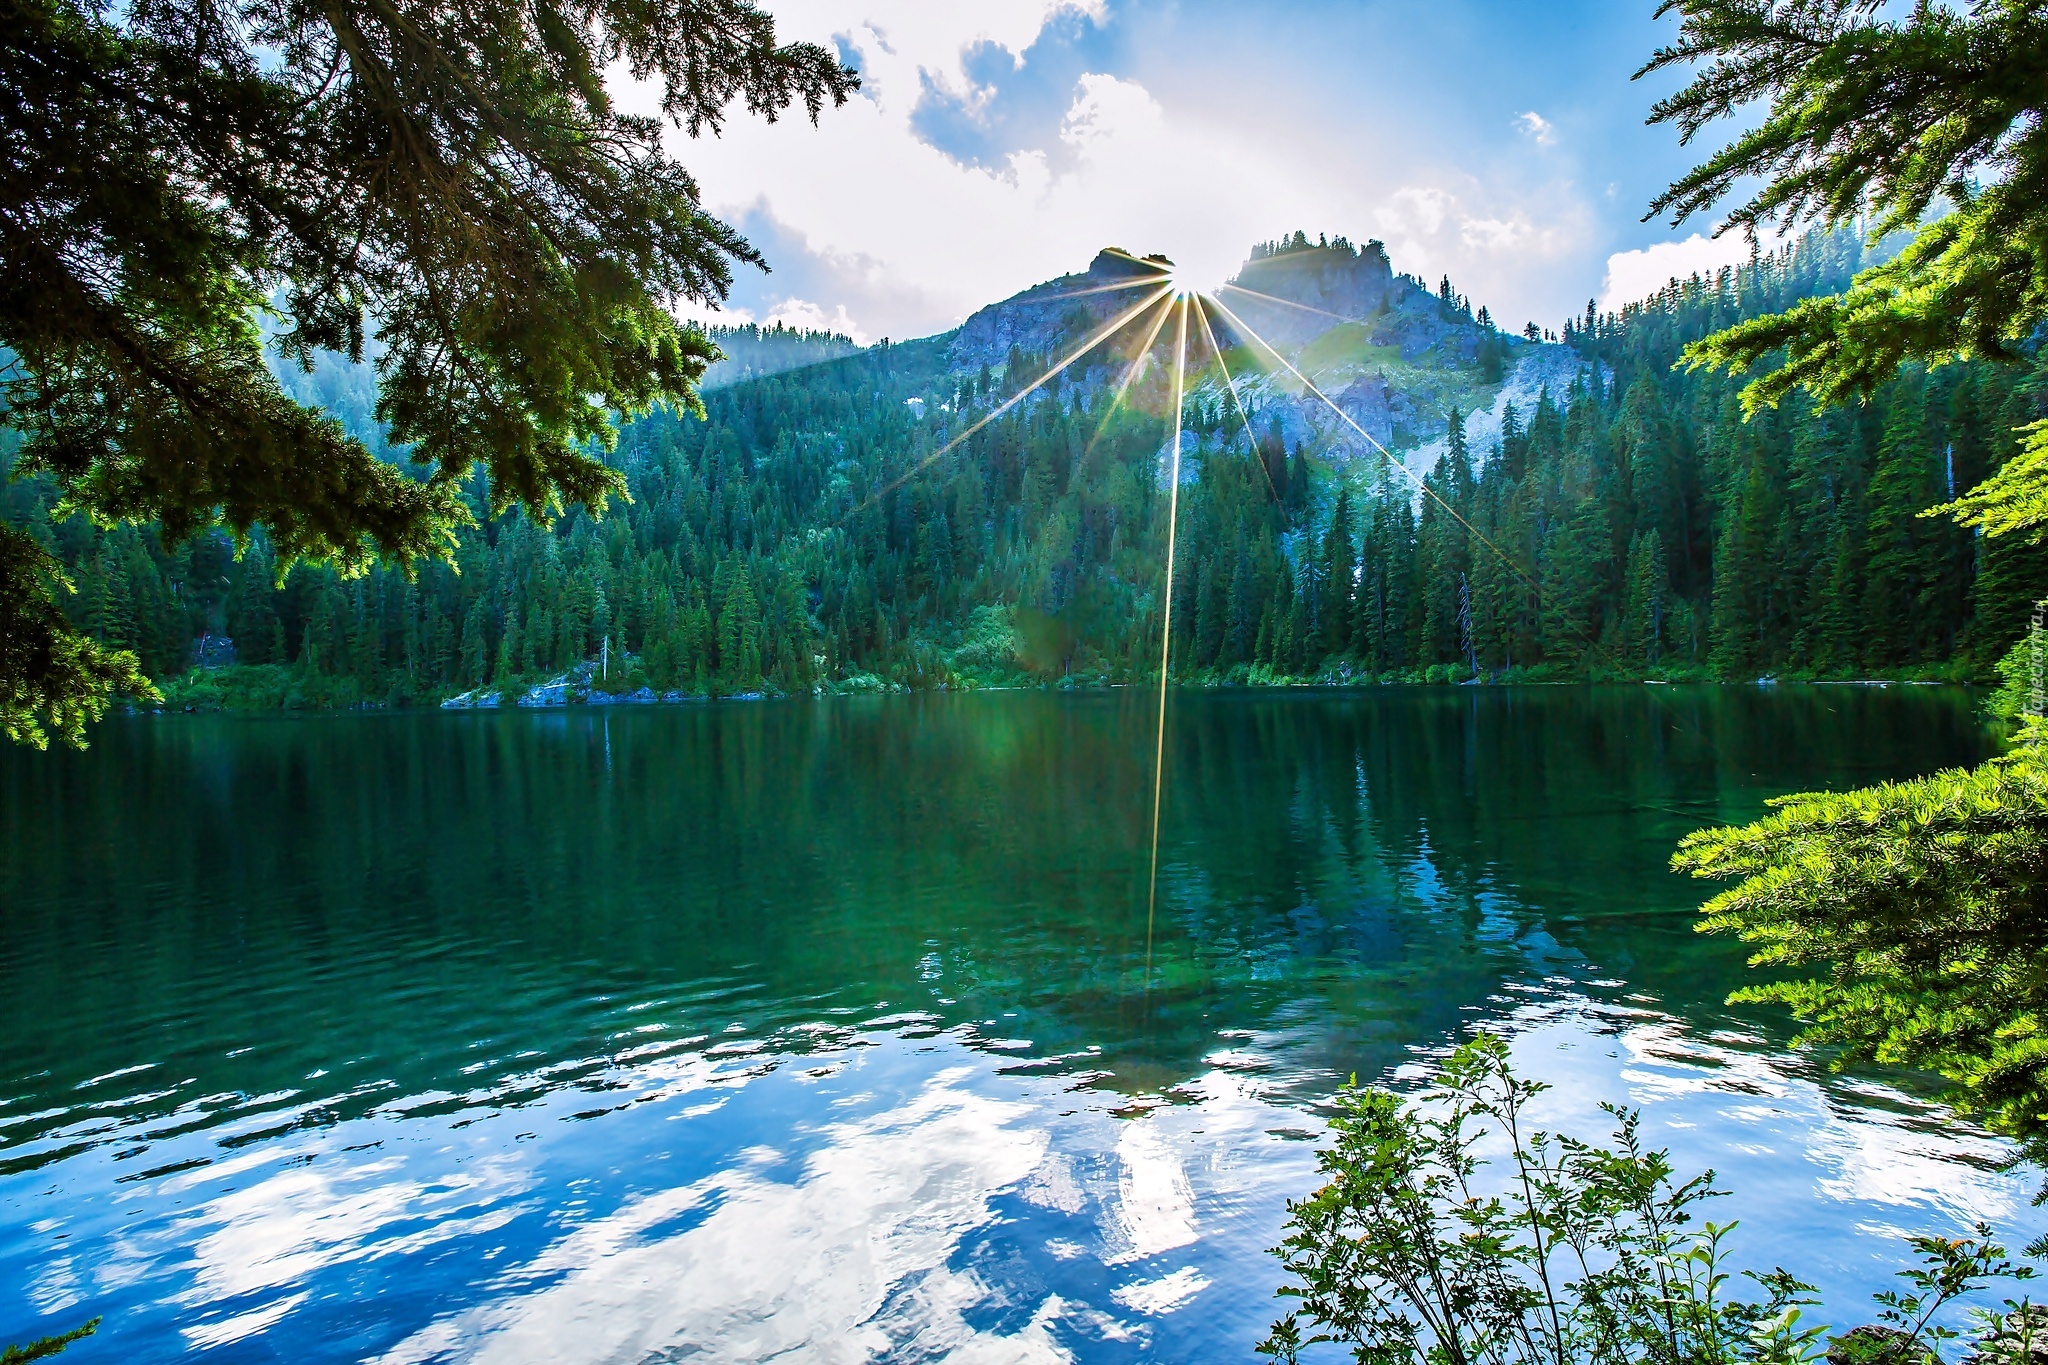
x=998 y=143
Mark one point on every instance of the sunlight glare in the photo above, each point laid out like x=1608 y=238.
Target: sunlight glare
x=1198 y=268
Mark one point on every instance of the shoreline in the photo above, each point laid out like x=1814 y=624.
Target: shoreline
x=555 y=695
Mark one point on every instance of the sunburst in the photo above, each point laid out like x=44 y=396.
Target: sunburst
x=1170 y=295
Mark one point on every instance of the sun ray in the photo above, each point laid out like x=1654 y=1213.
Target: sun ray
x=1135 y=282
x=1285 y=303
x=1251 y=443
x=1094 y=339
x=1421 y=485
x=1180 y=359
x=1142 y=354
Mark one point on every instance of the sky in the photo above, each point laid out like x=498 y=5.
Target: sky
x=996 y=144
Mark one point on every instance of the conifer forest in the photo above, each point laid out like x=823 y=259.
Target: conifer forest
x=1626 y=522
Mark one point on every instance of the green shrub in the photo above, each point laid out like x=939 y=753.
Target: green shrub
x=1582 y=1255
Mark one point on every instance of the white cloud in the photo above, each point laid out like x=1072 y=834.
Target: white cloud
x=748 y=1265
x=1162 y=1295
x=715 y=317
x=1492 y=250
x=1106 y=108
x=1420 y=209
x=904 y=240
x=1493 y=234
x=1633 y=276
x=807 y=316
x=1536 y=128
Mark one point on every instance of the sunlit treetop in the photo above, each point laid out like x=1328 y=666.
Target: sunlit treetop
x=453 y=180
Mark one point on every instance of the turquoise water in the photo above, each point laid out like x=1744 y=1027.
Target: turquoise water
x=836 y=1030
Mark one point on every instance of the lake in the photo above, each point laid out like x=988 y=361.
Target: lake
x=837 y=1030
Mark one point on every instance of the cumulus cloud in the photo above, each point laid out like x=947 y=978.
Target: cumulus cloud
x=883 y=233
x=807 y=316
x=1536 y=128
x=1491 y=249
x=1105 y=109
x=1416 y=208
x=1494 y=234
x=1633 y=276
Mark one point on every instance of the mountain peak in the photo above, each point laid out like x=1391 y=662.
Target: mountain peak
x=1114 y=263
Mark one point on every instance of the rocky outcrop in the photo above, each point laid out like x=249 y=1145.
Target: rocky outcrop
x=2019 y=1337
x=1870 y=1344
x=1059 y=311
x=1374 y=405
x=580 y=686
x=1302 y=293
x=1393 y=355
x=213 y=651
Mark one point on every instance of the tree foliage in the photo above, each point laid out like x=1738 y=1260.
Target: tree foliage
x=1628 y=525
x=1923 y=896
x=51 y=677
x=451 y=181
x=2015 y=499
x=42 y=1348
x=1928 y=900
x=1890 y=118
x=1929 y=123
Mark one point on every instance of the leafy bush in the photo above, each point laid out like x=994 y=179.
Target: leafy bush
x=989 y=642
x=1583 y=1255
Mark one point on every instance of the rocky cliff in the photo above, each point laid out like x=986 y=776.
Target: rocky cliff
x=1395 y=356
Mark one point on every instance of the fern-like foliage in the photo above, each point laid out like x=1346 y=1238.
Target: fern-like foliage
x=2015 y=499
x=1927 y=902
x=42 y=1348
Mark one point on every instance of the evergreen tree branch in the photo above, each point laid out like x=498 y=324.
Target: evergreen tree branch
x=1930 y=124
x=51 y=677
x=2015 y=499
x=450 y=176
x=1929 y=899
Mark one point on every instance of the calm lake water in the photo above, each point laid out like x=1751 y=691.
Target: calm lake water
x=836 y=1031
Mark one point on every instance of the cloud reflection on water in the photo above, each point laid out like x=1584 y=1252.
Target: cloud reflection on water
x=773 y=1050
x=773 y=1267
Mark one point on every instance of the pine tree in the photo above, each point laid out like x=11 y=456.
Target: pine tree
x=1642 y=629
x=1338 y=575
x=1748 y=592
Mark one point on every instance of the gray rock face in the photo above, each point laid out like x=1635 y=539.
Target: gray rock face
x=555 y=693
x=212 y=651
x=1063 y=310
x=1401 y=359
x=1299 y=295
x=476 y=699
x=644 y=696
x=2016 y=1338
x=1373 y=404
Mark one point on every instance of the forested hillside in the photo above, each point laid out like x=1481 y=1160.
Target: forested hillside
x=1625 y=521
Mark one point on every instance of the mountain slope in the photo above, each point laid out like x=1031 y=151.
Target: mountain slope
x=890 y=517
